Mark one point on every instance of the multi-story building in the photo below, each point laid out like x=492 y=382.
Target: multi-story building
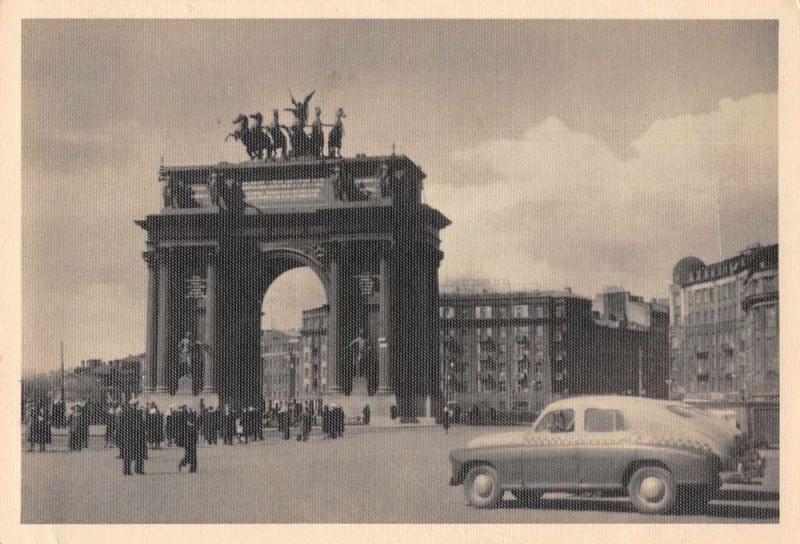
x=280 y=357
x=313 y=378
x=521 y=350
x=724 y=326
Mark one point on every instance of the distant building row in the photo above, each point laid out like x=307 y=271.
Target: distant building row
x=513 y=351
x=715 y=337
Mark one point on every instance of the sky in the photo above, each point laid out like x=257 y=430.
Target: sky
x=566 y=153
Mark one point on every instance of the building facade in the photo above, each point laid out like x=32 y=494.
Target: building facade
x=313 y=371
x=280 y=357
x=724 y=326
x=521 y=350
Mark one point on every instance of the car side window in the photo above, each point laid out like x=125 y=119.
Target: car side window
x=603 y=421
x=559 y=421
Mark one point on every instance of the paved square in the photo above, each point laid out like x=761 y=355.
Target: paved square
x=369 y=475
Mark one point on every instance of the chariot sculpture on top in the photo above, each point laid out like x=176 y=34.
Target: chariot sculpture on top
x=263 y=142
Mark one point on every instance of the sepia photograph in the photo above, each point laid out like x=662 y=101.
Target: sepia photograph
x=399 y=271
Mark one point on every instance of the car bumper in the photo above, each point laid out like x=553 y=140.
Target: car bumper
x=749 y=466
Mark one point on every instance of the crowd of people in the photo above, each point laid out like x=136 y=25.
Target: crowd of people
x=135 y=429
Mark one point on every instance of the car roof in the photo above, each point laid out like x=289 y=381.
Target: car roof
x=607 y=401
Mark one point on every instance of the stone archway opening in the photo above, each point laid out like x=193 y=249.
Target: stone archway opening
x=294 y=339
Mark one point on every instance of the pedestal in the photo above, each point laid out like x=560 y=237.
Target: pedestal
x=183 y=396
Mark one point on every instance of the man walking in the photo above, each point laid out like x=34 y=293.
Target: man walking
x=189 y=443
x=133 y=440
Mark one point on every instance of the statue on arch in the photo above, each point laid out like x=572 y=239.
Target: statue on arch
x=301 y=143
x=261 y=140
x=317 y=136
x=335 y=136
x=275 y=131
x=247 y=136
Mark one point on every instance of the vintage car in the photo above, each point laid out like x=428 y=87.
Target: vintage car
x=663 y=454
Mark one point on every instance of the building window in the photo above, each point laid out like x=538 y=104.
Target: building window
x=539 y=331
x=483 y=312
x=559 y=310
x=520 y=310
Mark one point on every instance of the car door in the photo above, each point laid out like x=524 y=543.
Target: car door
x=549 y=456
x=606 y=449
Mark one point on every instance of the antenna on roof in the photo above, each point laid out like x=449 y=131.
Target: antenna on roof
x=392 y=149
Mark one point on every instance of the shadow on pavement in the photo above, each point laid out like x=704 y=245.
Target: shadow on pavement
x=623 y=505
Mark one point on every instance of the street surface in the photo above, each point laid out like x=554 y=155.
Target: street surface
x=369 y=475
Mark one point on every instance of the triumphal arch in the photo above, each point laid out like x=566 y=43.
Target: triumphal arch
x=227 y=231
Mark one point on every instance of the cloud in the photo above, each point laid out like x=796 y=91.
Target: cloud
x=559 y=207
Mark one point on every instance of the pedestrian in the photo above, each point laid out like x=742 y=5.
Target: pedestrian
x=40 y=429
x=308 y=422
x=169 y=425
x=366 y=413
x=239 y=418
x=284 y=422
x=228 y=425
x=159 y=426
x=259 y=417
x=32 y=418
x=446 y=419
x=189 y=441
x=111 y=427
x=326 y=422
x=206 y=424
x=73 y=434
x=132 y=439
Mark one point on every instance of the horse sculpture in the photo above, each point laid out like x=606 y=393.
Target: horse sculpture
x=246 y=135
x=261 y=139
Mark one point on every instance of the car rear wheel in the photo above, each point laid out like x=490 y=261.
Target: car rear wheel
x=528 y=497
x=482 y=487
x=652 y=490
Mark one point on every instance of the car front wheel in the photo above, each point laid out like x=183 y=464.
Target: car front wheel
x=652 y=490
x=482 y=487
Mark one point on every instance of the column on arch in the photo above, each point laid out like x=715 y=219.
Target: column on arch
x=385 y=343
x=151 y=259
x=334 y=310
x=210 y=352
x=165 y=305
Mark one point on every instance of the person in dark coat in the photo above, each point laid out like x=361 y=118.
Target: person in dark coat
x=339 y=421
x=111 y=427
x=169 y=426
x=180 y=425
x=366 y=413
x=285 y=422
x=73 y=423
x=259 y=422
x=189 y=441
x=446 y=419
x=132 y=439
x=228 y=425
x=308 y=422
x=326 y=422
x=207 y=424
x=39 y=430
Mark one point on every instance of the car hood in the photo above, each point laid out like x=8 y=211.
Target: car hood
x=497 y=439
